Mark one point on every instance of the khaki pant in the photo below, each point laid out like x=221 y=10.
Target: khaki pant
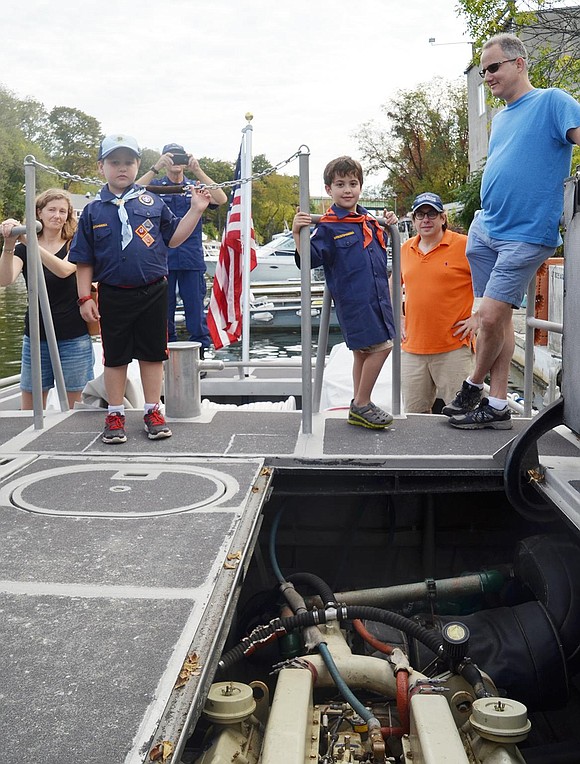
x=437 y=375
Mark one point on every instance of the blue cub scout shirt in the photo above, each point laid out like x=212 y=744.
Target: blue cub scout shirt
x=97 y=241
x=357 y=278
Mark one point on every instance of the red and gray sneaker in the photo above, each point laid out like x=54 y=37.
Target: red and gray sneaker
x=155 y=425
x=114 y=431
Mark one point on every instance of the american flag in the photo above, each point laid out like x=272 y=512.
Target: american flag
x=224 y=317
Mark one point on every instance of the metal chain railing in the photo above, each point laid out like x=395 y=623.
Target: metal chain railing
x=226 y=184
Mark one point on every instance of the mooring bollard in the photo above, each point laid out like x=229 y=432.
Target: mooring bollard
x=182 y=384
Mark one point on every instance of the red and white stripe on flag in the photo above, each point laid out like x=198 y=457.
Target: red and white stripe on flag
x=224 y=317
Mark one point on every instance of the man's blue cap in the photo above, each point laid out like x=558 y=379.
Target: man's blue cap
x=118 y=141
x=173 y=148
x=427 y=198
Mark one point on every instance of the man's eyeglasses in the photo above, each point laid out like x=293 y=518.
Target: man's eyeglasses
x=431 y=214
x=492 y=68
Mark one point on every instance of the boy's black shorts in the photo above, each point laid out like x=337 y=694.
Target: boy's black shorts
x=133 y=323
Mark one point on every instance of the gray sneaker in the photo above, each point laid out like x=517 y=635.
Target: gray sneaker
x=484 y=416
x=114 y=431
x=155 y=425
x=466 y=400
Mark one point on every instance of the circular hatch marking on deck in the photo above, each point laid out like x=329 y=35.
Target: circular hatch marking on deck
x=120 y=490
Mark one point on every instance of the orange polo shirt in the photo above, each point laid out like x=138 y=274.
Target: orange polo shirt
x=438 y=293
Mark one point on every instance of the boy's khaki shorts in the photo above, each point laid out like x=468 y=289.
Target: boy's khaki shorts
x=376 y=348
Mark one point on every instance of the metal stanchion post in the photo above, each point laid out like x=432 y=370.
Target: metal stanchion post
x=305 y=276
x=182 y=382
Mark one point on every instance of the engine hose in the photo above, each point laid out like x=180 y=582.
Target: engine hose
x=342 y=686
x=371 y=640
x=265 y=634
x=473 y=676
x=402 y=678
x=318 y=584
x=536 y=511
x=427 y=637
x=272 y=546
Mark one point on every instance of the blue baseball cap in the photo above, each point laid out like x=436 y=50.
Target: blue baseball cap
x=118 y=141
x=428 y=198
x=173 y=148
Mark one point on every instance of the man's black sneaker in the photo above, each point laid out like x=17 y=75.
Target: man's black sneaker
x=155 y=425
x=466 y=400
x=484 y=416
x=114 y=431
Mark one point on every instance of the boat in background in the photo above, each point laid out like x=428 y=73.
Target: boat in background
x=275 y=261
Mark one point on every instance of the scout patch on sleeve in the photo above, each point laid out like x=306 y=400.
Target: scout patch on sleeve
x=144 y=235
x=146 y=200
x=342 y=235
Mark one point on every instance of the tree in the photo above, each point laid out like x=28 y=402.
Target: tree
x=274 y=204
x=550 y=31
x=75 y=138
x=423 y=146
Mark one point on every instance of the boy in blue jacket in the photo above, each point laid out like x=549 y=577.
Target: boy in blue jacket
x=348 y=242
x=121 y=242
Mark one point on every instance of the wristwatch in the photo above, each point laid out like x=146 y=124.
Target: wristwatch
x=154 y=170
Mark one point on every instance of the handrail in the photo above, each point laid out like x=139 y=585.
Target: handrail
x=533 y=323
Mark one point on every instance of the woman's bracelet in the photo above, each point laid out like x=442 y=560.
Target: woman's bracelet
x=7 y=251
x=82 y=300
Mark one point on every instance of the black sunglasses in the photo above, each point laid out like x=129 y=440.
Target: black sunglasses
x=492 y=68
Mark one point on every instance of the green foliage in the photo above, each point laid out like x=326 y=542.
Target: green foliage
x=550 y=31
x=423 y=145
x=68 y=139
x=469 y=194
x=275 y=198
x=75 y=138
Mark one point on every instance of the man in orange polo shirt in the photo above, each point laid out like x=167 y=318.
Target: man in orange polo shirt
x=437 y=328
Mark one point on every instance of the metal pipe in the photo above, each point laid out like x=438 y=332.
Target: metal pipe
x=33 y=266
x=445 y=588
x=182 y=381
x=396 y=302
x=246 y=236
x=323 y=329
x=529 y=349
x=305 y=276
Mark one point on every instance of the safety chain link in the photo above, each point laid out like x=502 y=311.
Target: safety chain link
x=226 y=184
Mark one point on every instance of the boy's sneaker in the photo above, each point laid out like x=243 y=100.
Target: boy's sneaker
x=155 y=425
x=114 y=431
x=370 y=416
x=484 y=416
x=466 y=400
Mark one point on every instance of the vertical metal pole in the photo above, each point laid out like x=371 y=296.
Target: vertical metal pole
x=49 y=330
x=323 y=329
x=529 y=349
x=33 y=267
x=246 y=193
x=306 y=302
x=396 y=295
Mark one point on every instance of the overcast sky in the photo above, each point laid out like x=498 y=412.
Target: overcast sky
x=311 y=72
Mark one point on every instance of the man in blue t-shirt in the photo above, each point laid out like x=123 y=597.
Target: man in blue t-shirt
x=516 y=230
x=186 y=263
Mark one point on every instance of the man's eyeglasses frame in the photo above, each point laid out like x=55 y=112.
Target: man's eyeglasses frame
x=431 y=214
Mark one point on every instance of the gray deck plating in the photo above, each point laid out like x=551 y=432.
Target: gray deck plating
x=115 y=559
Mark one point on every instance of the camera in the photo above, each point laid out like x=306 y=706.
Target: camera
x=179 y=158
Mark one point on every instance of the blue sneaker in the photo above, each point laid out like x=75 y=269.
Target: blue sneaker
x=484 y=416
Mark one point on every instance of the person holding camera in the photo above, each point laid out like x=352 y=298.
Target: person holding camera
x=186 y=263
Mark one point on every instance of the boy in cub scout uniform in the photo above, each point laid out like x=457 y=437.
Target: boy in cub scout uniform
x=121 y=242
x=349 y=243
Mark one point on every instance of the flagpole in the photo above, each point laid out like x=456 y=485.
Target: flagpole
x=246 y=192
